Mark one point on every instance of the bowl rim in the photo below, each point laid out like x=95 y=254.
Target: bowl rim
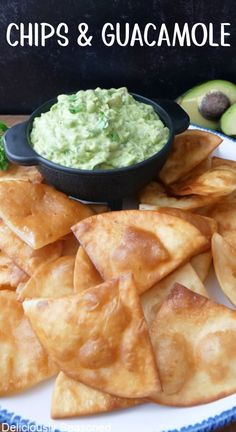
x=43 y=161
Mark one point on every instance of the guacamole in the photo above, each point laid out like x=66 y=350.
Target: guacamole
x=98 y=129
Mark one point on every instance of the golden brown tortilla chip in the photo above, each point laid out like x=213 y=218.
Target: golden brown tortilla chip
x=194 y=340
x=22 y=173
x=202 y=264
x=152 y=299
x=74 y=399
x=189 y=150
x=218 y=181
x=230 y=237
x=70 y=245
x=99 y=208
x=99 y=337
x=200 y=169
x=204 y=166
x=217 y=161
x=207 y=226
x=52 y=279
x=23 y=255
x=10 y=274
x=23 y=362
x=154 y=196
x=148 y=244
x=224 y=213
x=37 y=213
x=224 y=259
x=85 y=274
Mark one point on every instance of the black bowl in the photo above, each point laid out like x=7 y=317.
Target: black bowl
x=97 y=185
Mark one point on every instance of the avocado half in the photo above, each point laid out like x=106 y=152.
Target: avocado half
x=228 y=121
x=207 y=102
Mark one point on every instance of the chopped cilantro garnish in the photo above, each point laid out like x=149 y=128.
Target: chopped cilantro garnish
x=72 y=98
x=103 y=120
x=114 y=136
x=3 y=158
x=75 y=109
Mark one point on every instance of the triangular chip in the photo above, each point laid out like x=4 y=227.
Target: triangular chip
x=224 y=259
x=230 y=237
x=23 y=362
x=218 y=181
x=207 y=226
x=85 y=274
x=216 y=161
x=154 y=196
x=202 y=264
x=224 y=212
x=27 y=258
x=152 y=299
x=38 y=213
x=70 y=245
x=10 y=275
x=99 y=208
x=194 y=340
x=99 y=337
x=52 y=279
x=22 y=173
x=74 y=399
x=148 y=244
x=189 y=149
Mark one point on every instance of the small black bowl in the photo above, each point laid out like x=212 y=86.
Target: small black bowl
x=96 y=185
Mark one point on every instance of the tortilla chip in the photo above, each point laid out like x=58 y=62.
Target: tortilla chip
x=99 y=337
x=23 y=362
x=85 y=274
x=202 y=264
x=200 y=169
x=154 y=196
x=74 y=399
x=99 y=208
x=70 y=245
x=152 y=299
x=10 y=274
x=22 y=173
x=217 y=181
x=148 y=244
x=207 y=226
x=224 y=259
x=23 y=255
x=217 y=161
x=194 y=340
x=204 y=166
x=224 y=213
x=189 y=150
x=230 y=237
x=37 y=213
x=52 y=279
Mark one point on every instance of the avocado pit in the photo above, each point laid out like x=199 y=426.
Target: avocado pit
x=213 y=105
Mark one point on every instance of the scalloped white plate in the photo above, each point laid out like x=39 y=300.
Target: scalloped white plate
x=34 y=405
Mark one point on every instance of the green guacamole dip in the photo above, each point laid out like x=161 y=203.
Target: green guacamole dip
x=98 y=129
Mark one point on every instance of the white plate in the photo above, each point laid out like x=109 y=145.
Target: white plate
x=34 y=405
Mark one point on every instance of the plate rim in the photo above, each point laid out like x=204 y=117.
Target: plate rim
x=216 y=132
x=219 y=420
x=207 y=425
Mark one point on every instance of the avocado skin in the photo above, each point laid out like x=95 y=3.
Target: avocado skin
x=191 y=100
x=228 y=121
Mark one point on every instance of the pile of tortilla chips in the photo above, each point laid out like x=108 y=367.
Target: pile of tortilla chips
x=114 y=303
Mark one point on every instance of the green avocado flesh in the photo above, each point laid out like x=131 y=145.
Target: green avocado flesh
x=98 y=129
x=191 y=100
x=228 y=121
